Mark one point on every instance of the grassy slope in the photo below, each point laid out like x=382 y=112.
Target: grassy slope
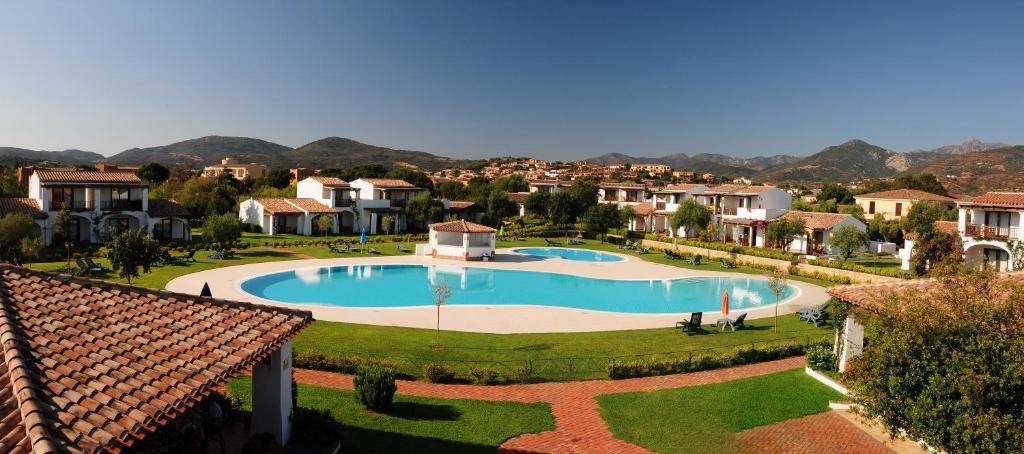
x=419 y=424
x=706 y=418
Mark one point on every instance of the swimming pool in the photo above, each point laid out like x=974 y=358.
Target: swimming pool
x=392 y=286
x=581 y=255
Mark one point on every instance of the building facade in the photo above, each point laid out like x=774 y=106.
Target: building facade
x=239 y=170
x=896 y=204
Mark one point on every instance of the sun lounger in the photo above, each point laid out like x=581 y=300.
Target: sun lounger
x=551 y=243
x=735 y=324
x=695 y=260
x=401 y=248
x=643 y=250
x=190 y=257
x=92 y=264
x=85 y=268
x=373 y=250
x=728 y=264
x=806 y=313
x=691 y=325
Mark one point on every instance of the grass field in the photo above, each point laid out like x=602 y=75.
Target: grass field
x=418 y=424
x=554 y=356
x=706 y=418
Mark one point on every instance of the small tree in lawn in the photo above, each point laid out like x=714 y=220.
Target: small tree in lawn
x=61 y=223
x=777 y=284
x=15 y=227
x=849 y=238
x=325 y=224
x=690 y=215
x=602 y=217
x=224 y=229
x=130 y=250
x=31 y=247
x=387 y=222
x=441 y=295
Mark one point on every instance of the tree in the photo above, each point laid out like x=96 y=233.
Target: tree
x=848 y=238
x=414 y=177
x=691 y=216
x=223 y=230
x=837 y=192
x=499 y=207
x=154 y=172
x=602 y=217
x=451 y=190
x=325 y=223
x=278 y=178
x=423 y=209
x=441 y=294
x=387 y=222
x=935 y=248
x=856 y=211
x=584 y=195
x=922 y=216
x=538 y=203
x=61 y=225
x=511 y=183
x=777 y=285
x=207 y=196
x=880 y=228
x=31 y=247
x=563 y=208
x=15 y=227
x=948 y=368
x=783 y=231
x=130 y=250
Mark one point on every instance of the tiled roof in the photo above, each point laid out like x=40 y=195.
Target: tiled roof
x=643 y=208
x=86 y=176
x=952 y=227
x=92 y=367
x=677 y=188
x=460 y=204
x=874 y=296
x=818 y=221
x=611 y=185
x=461 y=227
x=738 y=189
x=293 y=206
x=21 y=205
x=389 y=183
x=906 y=194
x=1006 y=199
x=518 y=197
x=331 y=182
x=550 y=183
x=164 y=208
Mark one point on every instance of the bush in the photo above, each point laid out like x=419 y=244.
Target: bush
x=797 y=271
x=850 y=266
x=314 y=359
x=821 y=358
x=521 y=374
x=704 y=361
x=483 y=375
x=375 y=387
x=725 y=247
x=438 y=373
x=315 y=426
x=262 y=442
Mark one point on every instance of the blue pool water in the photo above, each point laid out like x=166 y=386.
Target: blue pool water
x=410 y=285
x=582 y=255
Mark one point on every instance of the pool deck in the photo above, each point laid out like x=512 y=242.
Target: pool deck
x=225 y=283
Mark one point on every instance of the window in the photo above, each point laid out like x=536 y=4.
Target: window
x=871 y=207
x=117 y=225
x=899 y=209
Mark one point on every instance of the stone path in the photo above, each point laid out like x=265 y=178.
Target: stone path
x=579 y=427
x=821 y=433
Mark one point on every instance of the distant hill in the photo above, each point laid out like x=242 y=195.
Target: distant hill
x=323 y=153
x=915 y=158
x=22 y=156
x=979 y=171
x=702 y=162
x=851 y=160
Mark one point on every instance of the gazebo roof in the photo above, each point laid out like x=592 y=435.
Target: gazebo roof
x=90 y=366
x=874 y=296
x=461 y=226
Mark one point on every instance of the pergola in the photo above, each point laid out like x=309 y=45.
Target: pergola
x=90 y=366
x=461 y=240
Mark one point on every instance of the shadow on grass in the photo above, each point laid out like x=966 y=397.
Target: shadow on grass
x=362 y=440
x=534 y=347
x=424 y=412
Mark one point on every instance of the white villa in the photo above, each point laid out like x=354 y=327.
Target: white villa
x=549 y=186
x=743 y=212
x=654 y=215
x=99 y=203
x=819 y=228
x=621 y=193
x=460 y=240
x=362 y=203
x=283 y=215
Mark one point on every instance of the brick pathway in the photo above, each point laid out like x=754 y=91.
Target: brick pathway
x=821 y=433
x=579 y=427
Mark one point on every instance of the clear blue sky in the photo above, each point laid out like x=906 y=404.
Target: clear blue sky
x=475 y=78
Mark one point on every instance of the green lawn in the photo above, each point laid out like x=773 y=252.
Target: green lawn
x=554 y=356
x=418 y=424
x=879 y=262
x=706 y=418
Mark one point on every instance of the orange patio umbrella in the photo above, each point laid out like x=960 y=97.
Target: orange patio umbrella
x=725 y=304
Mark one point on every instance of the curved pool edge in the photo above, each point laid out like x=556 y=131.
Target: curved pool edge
x=619 y=257
x=482 y=319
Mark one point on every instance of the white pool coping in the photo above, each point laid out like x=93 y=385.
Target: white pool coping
x=225 y=283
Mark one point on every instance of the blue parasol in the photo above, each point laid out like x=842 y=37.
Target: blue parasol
x=362 y=235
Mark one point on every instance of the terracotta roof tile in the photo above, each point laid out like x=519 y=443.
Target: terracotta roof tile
x=518 y=197
x=95 y=366
x=818 y=221
x=678 y=188
x=906 y=194
x=1006 y=199
x=332 y=182
x=293 y=206
x=311 y=205
x=873 y=296
x=643 y=208
x=163 y=208
x=738 y=189
x=87 y=176
x=613 y=185
x=461 y=226
x=550 y=182
x=389 y=183
x=21 y=205
x=460 y=204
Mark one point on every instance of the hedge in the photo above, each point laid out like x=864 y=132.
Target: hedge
x=725 y=247
x=706 y=361
x=797 y=271
x=850 y=266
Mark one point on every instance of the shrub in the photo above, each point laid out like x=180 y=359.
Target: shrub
x=521 y=374
x=438 y=373
x=312 y=359
x=262 y=442
x=375 y=387
x=704 y=361
x=725 y=247
x=821 y=358
x=484 y=375
x=315 y=426
x=797 y=271
x=850 y=266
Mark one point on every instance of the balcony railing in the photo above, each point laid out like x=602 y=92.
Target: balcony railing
x=987 y=231
x=343 y=203
x=72 y=205
x=123 y=205
x=729 y=211
x=398 y=203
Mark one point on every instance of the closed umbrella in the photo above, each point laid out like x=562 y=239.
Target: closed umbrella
x=725 y=304
x=362 y=235
x=501 y=231
x=206 y=290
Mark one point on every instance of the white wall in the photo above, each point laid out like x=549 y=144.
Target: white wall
x=251 y=212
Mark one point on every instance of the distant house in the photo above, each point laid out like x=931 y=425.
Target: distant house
x=620 y=193
x=743 y=212
x=987 y=225
x=819 y=228
x=548 y=186
x=519 y=198
x=363 y=203
x=896 y=203
x=654 y=215
x=287 y=215
x=239 y=170
x=464 y=210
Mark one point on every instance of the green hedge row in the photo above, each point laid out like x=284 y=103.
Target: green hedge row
x=725 y=247
x=706 y=361
x=850 y=266
x=797 y=271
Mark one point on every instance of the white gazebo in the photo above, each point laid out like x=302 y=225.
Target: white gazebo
x=461 y=240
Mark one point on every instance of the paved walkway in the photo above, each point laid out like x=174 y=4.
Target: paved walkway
x=821 y=433
x=579 y=427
